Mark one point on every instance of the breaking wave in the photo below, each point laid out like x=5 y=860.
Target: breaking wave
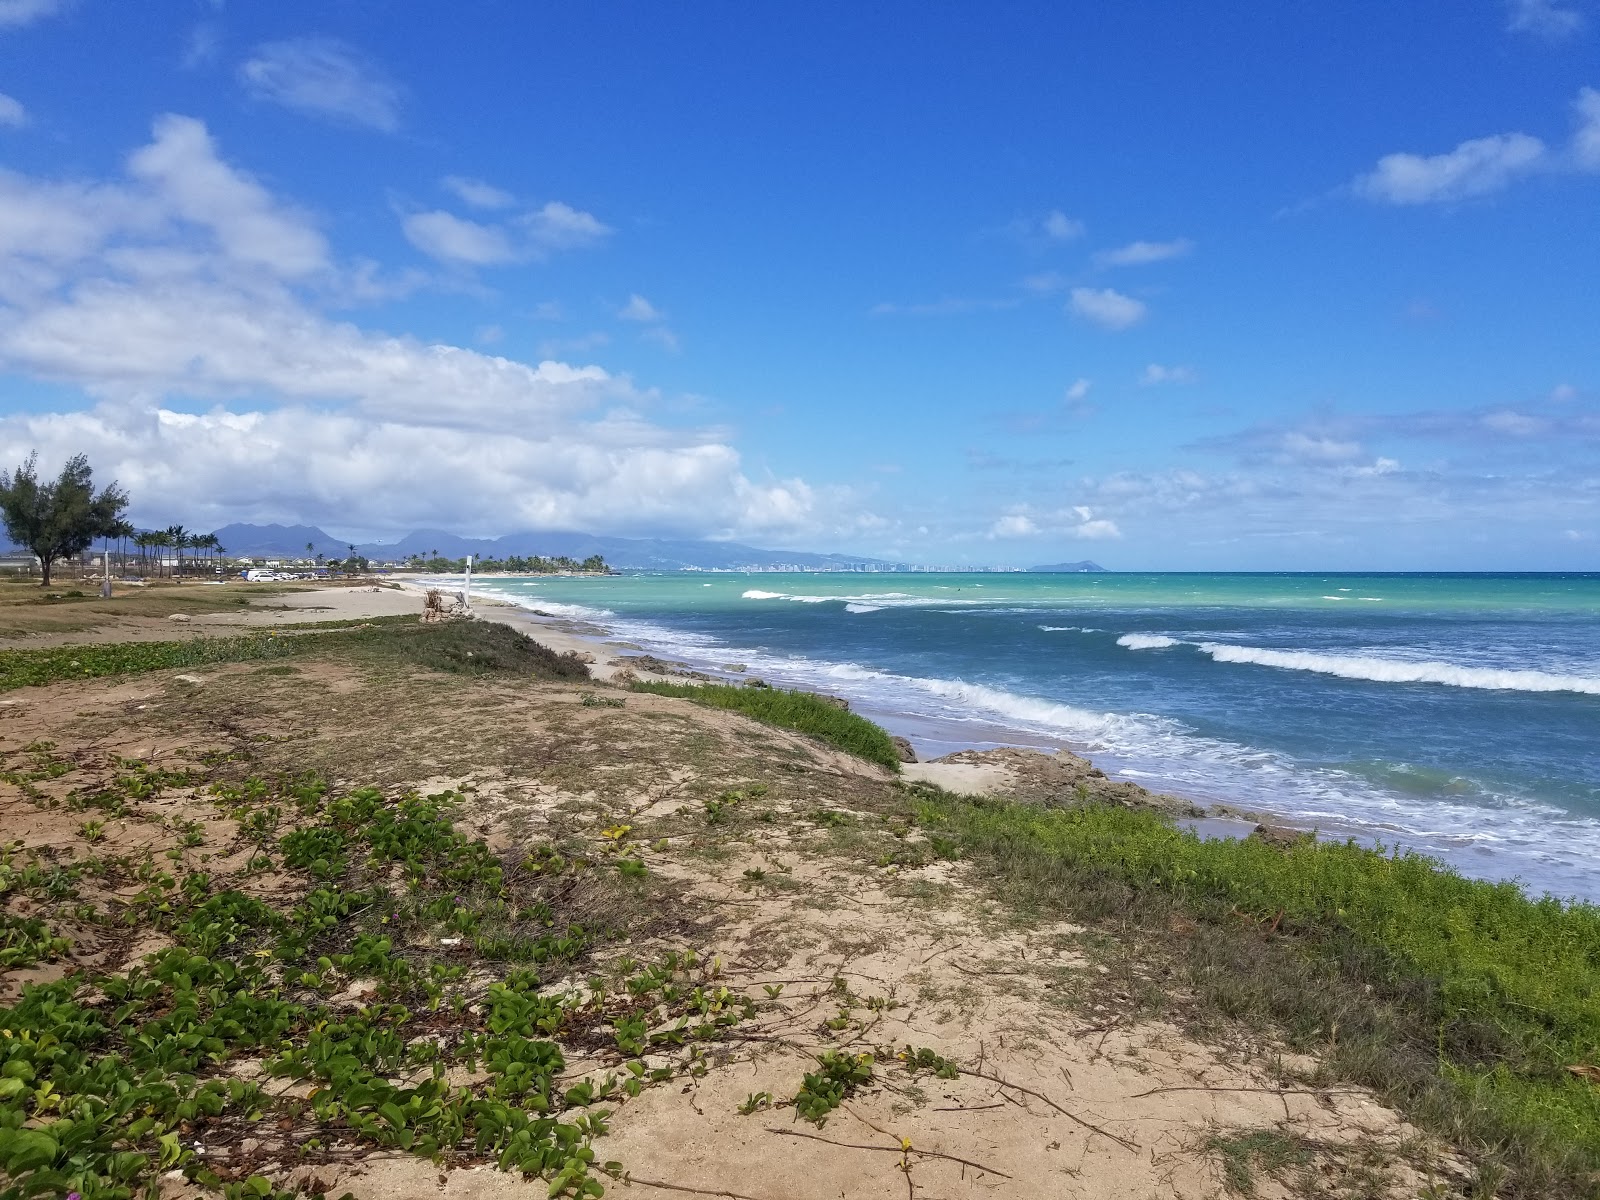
x=1374 y=669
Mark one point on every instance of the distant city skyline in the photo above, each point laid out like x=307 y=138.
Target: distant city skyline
x=1161 y=285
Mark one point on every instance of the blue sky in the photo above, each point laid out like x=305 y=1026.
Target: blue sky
x=1168 y=286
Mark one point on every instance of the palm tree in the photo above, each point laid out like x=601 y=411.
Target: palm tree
x=120 y=529
x=179 y=539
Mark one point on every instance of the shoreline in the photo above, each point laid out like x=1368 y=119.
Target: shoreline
x=1012 y=764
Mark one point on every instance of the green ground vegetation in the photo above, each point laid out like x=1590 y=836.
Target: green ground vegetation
x=801 y=711
x=475 y=648
x=409 y=978
x=1464 y=1003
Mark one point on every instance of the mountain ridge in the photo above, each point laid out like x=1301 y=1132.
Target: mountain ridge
x=626 y=553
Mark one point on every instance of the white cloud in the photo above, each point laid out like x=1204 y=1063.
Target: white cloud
x=1586 y=141
x=1078 y=390
x=559 y=226
x=1078 y=521
x=1544 y=17
x=1483 y=165
x=1013 y=525
x=1155 y=374
x=254 y=229
x=530 y=236
x=1379 y=466
x=1059 y=227
x=1474 y=168
x=475 y=193
x=16 y=13
x=1136 y=254
x=324 y=78
x=1107 y=308
x=157 y=297
x=450 y=238
x=12 y=114
x=639 y=309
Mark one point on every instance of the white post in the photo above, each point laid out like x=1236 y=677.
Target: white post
x=466 y=587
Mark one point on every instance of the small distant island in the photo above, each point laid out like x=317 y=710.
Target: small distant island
x=1068 y=568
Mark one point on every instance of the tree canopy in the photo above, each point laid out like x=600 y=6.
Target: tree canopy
x=60 y=518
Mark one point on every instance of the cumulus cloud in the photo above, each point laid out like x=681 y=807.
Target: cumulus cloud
x=1013 y=525
x=1474 y=168
x=475 y=193
x=1545 y=18
x=1485 y=165
x=1078 y=521
x=325 y=78
x=530 y=236
x=16 y=13
x=449 y=238
x=559 y=226
x=12 y=114
x=1155 y=374
x=181 y=300
x=182 y=166
x=1106 y=307
x=1136 y=254
x=639 y=309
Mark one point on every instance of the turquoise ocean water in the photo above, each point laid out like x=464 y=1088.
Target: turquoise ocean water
x=1456 y=714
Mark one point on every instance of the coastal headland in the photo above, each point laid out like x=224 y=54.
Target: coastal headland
x=305 y=895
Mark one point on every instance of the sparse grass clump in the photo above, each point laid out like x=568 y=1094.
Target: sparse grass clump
x=800 y=711
x=1463 y=1002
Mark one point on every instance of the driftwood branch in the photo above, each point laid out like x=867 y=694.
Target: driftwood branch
x=966 y=1162
x=1071 y=1116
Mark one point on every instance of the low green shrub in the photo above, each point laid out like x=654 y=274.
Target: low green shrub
x=801 y=711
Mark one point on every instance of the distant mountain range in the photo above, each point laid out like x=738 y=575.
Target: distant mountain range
x=657 y=554
x=1066 y=568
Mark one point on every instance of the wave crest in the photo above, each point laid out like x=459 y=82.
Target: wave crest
x=1391 y=670
x=1147 y=641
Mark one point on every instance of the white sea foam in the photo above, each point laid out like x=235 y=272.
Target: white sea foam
x=1376 y=669
x=1395 y=670
x=1147 y=641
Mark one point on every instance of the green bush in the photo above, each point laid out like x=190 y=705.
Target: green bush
x=801 y=711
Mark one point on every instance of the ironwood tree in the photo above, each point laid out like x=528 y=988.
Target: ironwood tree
x=58 y=518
